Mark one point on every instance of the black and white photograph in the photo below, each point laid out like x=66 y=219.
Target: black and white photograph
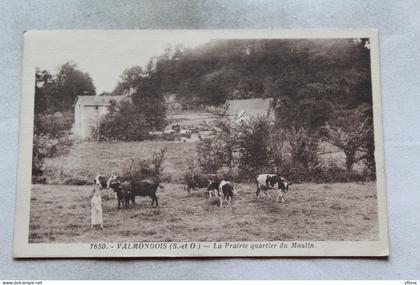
x=201 y=143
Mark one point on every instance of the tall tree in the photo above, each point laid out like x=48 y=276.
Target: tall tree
x=45 y=89
x=146 y=90
x=71 y=82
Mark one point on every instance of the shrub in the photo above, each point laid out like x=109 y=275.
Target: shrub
x=147 y=169
x=230 y=173
x=332 y=173
x=304 y=148
x=51 y=147
x=255 y=152
x=210 y=154
x=123 y=122
x=353 y=133
x=53 y=125
x=43 y=147
x=218 y=149
x=369 y=157
x=51 y=138
x=295 y=154
x=37 y=161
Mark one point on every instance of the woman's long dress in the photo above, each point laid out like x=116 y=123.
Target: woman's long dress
x=96 y=214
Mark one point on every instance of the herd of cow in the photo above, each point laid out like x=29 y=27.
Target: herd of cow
x=127 y=189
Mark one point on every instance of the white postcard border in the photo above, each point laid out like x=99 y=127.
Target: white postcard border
x=23 y=249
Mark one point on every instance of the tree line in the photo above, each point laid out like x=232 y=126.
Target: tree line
x=53 y=112
x=58 y=92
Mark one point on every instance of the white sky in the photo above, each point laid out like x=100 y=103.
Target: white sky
x=105 y=57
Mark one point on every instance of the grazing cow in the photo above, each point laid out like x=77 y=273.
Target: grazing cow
x=224 y=190
x=267 y=181
x=123 y=196
x=103 y=183
x=141 y=188
x=197 y=180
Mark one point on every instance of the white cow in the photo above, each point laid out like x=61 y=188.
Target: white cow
x=104 y=184
x=268 y=181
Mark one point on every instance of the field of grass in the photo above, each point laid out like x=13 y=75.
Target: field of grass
x=191 y=119
x=86 y=160
x=61 y=213
x=348 y=211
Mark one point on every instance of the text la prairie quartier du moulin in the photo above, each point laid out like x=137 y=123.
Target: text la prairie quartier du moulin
x=262 y=245
x=198 y=246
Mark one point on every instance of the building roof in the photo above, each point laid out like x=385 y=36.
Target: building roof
x=250 y=107
x=94 y=100
x=170 y=98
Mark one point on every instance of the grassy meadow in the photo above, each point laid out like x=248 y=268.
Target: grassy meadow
x=61 y=213
x=347 y=211
x=86 y=160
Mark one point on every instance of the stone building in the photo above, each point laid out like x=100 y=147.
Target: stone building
x=88 y=111
x=244 y=108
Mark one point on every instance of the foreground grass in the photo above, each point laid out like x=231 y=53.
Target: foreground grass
x=312 y=212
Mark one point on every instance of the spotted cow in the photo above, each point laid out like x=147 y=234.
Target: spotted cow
x=268 y=181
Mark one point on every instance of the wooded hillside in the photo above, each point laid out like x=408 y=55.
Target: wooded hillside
x=311 y=81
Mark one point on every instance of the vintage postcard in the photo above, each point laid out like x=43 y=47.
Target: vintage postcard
x=170 y=143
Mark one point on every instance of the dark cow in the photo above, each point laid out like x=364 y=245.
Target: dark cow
x=141 y=188
x=224 y=190
x=123 y=196
x=268 y=181
x=197 y=180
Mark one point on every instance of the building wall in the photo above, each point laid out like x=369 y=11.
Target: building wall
x=77 y=121
x=174 y=106
x=86 y=117
x=253 y=107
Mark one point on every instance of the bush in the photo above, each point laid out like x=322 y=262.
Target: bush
x=231 y=174
x=51 y=138
x=210 y=154
x=304 y=147
x=123 y=122
x=241 y=149
x=37 y=161
x=333 y=173
x=51 y=147
x=53 y=125
x=252 y=146
x=147 y=169
x=43 y=147
x=295 y=154
x=255 y=153
x=369 y=157
x=218 y=149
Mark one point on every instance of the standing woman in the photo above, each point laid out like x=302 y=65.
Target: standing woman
x=96 y=212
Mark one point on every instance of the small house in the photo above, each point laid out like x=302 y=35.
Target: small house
x=171 y=102
x=245 y=108
x=88 y=111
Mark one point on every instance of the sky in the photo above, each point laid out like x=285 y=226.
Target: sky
x=104 y=56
